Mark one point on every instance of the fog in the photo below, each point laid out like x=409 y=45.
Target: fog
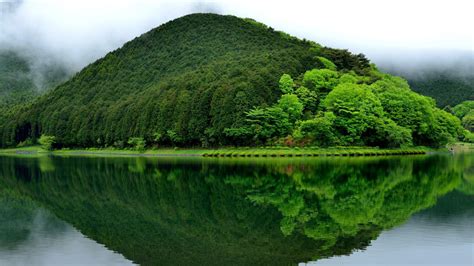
x=400 y=34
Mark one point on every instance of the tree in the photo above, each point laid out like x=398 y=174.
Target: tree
x=269 y=122
x=405 y=107
x=465 y=112
x=308 y=98
x=320 y=80
x=327 y=63
x=47 y=142
x=319 y=131
x=468 y=121
x=356 y=108
x=286 y=84
x=290 y=104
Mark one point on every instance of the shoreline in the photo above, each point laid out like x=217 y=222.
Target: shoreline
x=271 y=152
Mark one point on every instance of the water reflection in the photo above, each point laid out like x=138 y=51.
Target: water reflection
x=30 y=235
x=218 y=211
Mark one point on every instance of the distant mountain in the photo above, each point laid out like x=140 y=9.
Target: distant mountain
x=449 y=80
x=19 y=83
x=445 y=88
x=16 y=83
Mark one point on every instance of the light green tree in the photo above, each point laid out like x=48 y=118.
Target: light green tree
x=286 y=84
x=137 y=143
x=327 y=63
x=47 y=142
x=320 y=80
x=291 y=105
x=356 y=108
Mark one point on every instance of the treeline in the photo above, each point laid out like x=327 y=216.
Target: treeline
x=210 y=80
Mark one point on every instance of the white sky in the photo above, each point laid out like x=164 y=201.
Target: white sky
x=78 y=32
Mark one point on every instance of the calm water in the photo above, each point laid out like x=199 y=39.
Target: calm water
x=157 y=211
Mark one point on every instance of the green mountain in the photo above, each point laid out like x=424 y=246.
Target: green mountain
x=196 y=80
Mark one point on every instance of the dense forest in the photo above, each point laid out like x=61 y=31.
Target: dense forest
x=211 y=80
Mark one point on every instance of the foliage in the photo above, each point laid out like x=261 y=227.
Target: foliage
x=353 y=110
x=319 y=130
x=468 y=121
x=290 y=104
x=137 y=143
x=47 y=142
x=346 y=61
x=327 y=63
x=463 y=109
x=286 y=84
x=320 y=80
x=308 y=98
x=465 y=112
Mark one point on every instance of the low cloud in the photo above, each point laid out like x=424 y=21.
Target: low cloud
x=72 y=34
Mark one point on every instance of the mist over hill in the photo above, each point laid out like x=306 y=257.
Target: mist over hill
x=447 y=77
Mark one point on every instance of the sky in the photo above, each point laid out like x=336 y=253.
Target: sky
x=75 y=33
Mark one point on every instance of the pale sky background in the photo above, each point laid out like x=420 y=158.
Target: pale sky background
x=75 y=33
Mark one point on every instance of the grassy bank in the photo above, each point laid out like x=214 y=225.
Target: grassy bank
x=223 y=152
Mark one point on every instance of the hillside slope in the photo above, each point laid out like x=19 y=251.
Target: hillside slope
x=197 y=71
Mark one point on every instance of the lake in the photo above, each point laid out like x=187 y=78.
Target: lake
x=390 y=210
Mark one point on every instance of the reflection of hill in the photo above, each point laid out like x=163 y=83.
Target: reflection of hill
x=19 y=217
x=453 y=206
x=218 y=212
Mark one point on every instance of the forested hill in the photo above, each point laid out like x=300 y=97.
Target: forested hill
x=195 y=81
x=19 y=83
x=195 y=75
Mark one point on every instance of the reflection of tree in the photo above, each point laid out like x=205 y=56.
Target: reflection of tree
x=328 y=201
x=233 y=212
x=467 y=163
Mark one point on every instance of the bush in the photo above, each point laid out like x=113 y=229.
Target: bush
x=47 y=142
x=26 y=143
x=138 y=144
